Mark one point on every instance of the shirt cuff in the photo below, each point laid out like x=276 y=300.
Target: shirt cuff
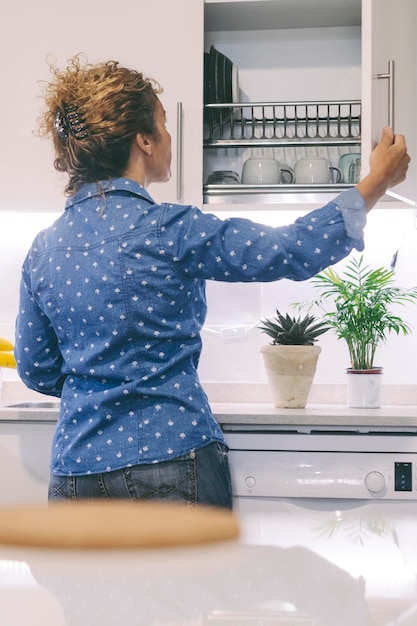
x=353 y=210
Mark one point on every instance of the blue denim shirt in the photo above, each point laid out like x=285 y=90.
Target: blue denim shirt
x=112 y=303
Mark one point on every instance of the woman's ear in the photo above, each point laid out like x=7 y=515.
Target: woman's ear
x=144 y=143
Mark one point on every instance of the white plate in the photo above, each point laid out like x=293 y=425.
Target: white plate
x=235 y=84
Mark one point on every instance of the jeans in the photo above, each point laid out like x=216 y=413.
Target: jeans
x=200 y=477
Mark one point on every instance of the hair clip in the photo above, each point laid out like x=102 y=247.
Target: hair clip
x=61 y=124
x=76 y=122
x=68 y=120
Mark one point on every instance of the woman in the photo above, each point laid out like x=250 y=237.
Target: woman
x=112 y=294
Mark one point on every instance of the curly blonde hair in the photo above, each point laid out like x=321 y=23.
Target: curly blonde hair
x=113 y=104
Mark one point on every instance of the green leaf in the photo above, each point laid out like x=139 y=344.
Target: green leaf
x=357 y=305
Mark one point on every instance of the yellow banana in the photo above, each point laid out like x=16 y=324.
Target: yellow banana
x=7 y=359
x=5 y=345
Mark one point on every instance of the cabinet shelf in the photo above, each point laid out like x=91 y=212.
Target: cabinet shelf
x=235 y=128
x=279 y=143
x=269 y=194
x=282 y=124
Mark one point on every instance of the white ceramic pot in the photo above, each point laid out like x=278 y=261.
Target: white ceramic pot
x=364 y=388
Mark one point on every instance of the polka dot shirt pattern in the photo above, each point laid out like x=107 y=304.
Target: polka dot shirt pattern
x=112 y=303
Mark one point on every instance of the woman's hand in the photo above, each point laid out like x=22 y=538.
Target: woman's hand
x=388 y=162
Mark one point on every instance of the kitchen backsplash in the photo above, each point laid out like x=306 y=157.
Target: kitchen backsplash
x=231 y=339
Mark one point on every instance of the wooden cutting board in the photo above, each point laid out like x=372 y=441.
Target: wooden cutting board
x=115 y=524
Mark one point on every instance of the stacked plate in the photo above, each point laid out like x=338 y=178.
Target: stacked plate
x=221 y=83
x=223 y=177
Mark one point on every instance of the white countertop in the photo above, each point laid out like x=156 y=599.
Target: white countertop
x=313 y=415
x=289 y=567
x=233 y=413
x=247 y=404
x=189 y=586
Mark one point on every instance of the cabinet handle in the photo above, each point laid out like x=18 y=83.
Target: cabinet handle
x=179 y=151
x=391 y=91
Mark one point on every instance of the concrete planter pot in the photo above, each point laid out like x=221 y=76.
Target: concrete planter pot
x=290 y=372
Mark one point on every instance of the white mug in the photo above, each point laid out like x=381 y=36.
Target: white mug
x=315 y=170
x=264 y=171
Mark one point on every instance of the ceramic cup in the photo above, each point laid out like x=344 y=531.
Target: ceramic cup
x=287 y=174
x=313 y=170
x=355 y=171
x=265 y=171
x=346 y=162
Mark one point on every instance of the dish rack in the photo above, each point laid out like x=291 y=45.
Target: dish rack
x=286 y=130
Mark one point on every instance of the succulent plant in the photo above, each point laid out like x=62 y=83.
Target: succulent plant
x=290 y=330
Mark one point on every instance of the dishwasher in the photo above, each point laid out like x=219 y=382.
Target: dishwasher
x=347 y=496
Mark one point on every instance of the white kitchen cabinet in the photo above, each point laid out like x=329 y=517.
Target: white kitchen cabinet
x=25 y=450
x=390 y=34
x=153 y=37
x=303 y=51
x=323 y=52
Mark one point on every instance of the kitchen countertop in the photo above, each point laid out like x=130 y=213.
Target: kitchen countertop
x=264 y=414
x=10 y=414
x=247 y=404
x=315 y=415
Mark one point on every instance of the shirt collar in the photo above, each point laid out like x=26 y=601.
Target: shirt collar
x=89 y=190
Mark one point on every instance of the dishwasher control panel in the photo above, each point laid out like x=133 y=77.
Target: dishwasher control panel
x=315 y=474
x=403 y=473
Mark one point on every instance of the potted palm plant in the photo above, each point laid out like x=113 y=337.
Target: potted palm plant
x=291 y=357
x=361 y=301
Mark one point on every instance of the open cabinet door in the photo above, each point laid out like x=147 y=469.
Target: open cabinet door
x=389 y=81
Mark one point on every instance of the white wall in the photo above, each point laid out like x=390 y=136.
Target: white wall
x=231 y=339
x=234 y=310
